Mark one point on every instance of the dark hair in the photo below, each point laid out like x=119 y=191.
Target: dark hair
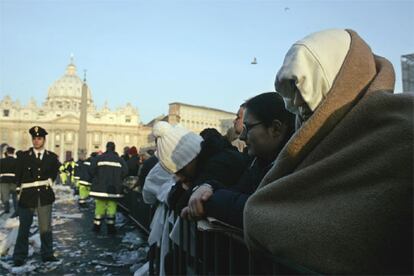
x=208 y=133
x=10 y=150
x=110 y=146
x=213 y=142
x=269 y=106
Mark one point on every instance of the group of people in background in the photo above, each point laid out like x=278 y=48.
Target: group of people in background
x=103 y=176
x=28 y=177
x=318 y=172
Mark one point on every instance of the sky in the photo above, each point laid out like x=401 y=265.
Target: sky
x=152 y=53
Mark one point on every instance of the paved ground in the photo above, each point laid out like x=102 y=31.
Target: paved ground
x=81 y=251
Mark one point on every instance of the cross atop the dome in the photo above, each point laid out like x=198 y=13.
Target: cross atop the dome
x=84 y=75
x=71 y=69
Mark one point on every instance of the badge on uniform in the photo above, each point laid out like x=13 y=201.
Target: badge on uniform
x=37 y=131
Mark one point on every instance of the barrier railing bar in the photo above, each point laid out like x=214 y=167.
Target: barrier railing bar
x=216 y=255
x=181 y=257
x=231 y=270
x=205 y=253
x=196 y=252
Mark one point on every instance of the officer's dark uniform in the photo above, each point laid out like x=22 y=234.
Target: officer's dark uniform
x=8 y=180
x=35 y=174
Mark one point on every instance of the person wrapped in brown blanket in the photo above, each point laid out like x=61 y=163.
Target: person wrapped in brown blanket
x=339 y=198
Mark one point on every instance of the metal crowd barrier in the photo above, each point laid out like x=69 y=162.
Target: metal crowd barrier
x=218 y=250
x=214 y=250
x=137 y=210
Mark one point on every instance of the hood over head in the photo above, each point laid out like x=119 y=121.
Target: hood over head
x=312 y=65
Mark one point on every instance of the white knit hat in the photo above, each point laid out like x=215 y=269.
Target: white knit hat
x=176 y=146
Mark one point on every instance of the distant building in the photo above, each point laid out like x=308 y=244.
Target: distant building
x=196 y=118
x=59 y=115
x=407 y=69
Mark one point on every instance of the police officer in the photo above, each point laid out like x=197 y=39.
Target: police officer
x=8 y=180
x=108 y=171
x=37 y=168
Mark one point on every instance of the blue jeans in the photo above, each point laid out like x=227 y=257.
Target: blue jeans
x=44 y=216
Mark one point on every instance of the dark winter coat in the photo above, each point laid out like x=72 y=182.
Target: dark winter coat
x=227 y=204
x=222 y=169
x=34 y=178
x=8 y=169
x=133 y=165
x=146 y=167
x=82 y=172
x=108 y=171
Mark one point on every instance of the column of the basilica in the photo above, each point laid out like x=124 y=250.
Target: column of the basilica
x=61 y=146
x=52 y=141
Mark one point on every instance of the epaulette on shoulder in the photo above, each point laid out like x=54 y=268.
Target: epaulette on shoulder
x=51 y=153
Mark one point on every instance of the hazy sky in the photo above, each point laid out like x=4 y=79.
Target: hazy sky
x=152 y=53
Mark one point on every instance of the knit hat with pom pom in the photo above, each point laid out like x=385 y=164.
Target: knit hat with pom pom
x=176 y=146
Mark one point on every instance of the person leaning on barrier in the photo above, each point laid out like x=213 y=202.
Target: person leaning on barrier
x=339 y=198
x=37 y=169
x=155 y=192
x=194 y=161
x=267 y=127
x=8 y=180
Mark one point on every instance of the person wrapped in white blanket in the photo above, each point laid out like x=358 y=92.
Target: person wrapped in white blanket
x=157 y=185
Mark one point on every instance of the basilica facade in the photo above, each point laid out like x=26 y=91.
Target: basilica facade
x=60 y=115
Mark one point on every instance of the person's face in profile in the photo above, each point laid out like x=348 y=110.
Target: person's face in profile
x=262 y=140
x=238 y=122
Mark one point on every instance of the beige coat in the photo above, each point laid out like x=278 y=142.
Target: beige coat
x=339 y=198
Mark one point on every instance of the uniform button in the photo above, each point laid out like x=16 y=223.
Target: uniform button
x=38 y=190
x=38 y=176
x=38 y=169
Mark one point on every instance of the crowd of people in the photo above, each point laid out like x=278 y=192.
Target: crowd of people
x=326 y=176
x=319 y=172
